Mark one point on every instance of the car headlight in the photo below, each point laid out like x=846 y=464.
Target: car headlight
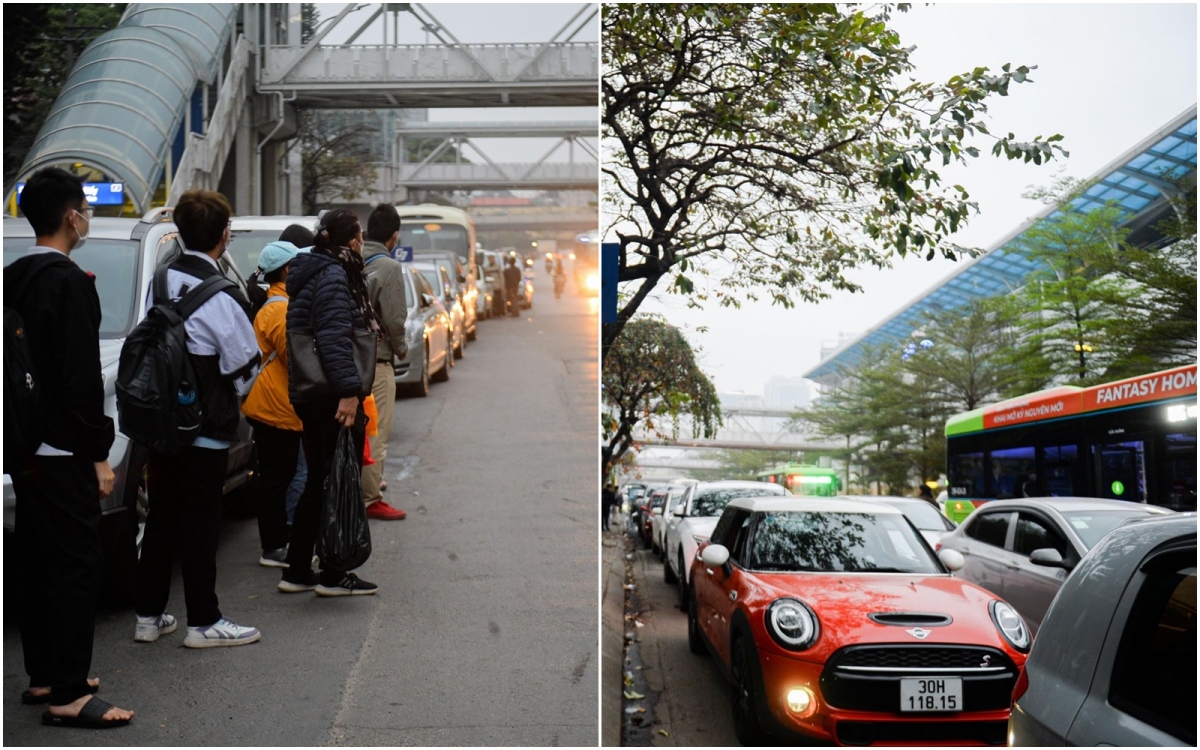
x=792 y=624
x=1010 y=625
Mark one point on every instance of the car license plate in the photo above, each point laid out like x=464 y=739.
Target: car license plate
x=931 y=694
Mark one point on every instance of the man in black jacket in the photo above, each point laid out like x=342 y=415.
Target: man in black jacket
x=512 y=284
x=58 y=489
x=186 y=489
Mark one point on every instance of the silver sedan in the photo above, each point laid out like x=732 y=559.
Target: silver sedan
x=1022 y=550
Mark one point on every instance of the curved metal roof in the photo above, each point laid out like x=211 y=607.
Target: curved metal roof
x=123 y=104
x=1133 y=181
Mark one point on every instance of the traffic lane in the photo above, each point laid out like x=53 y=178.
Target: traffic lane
x=284 y=690
x=487 y=633
x=695 y=706
x=696 y=703
x=298 y=685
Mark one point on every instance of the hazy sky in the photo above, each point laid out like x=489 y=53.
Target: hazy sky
x=1108 y=76
x=490 y=23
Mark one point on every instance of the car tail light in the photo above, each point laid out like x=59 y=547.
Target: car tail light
x=1021 y=686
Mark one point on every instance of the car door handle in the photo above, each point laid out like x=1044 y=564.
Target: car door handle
x=1012 y=565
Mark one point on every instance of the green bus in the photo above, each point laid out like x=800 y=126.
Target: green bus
x=1132 y=439
x=802 y=479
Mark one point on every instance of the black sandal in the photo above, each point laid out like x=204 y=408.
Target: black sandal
x=29 y=699
x=91 y=716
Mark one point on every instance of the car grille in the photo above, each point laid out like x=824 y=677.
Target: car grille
x=867 y=678
x=868 y=732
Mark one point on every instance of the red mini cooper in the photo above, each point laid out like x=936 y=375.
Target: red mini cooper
x=835 y=620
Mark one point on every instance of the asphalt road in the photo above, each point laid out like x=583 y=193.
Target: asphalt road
x=484 y=630
x=694 y=703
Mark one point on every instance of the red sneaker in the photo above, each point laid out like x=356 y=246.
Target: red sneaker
x=384 y=512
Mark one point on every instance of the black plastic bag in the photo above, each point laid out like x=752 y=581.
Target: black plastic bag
x=344 y=538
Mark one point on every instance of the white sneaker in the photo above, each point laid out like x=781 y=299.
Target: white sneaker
x=223 y=632
x=150 y=628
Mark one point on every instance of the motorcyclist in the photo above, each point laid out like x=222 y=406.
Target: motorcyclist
x=512 y=282
x=560 y=279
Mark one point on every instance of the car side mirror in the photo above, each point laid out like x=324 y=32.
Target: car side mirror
x=679 y=510
x=715 y=556
x=426 y=300
x=1047 y=556
x=951 y=558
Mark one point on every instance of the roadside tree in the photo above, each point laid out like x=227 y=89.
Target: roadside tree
x=652 y=379
x=777 y=146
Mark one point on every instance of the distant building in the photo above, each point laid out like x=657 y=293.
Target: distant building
x=787 y=392
x=829 y=347
x=740 y=400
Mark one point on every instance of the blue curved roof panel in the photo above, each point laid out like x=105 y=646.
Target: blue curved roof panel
x=124 y=103
x=1131 y=182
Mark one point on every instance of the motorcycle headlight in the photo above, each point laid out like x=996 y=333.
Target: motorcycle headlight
x=1010 y=625
x=792 y=624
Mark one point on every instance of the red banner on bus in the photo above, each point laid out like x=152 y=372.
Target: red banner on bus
x=1178 y=382
x=1056 y=402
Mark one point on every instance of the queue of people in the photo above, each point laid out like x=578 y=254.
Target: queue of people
x=319 y=283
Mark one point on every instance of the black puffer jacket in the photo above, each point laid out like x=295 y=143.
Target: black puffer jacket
x=316 y=278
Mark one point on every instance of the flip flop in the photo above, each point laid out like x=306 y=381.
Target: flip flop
x=91 y=716
x=29 y=699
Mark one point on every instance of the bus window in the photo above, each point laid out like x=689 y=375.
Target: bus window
x=1122 y=468
x=1058 y=470
x=966 y=475
x=1181 y=472
x=1011 y=471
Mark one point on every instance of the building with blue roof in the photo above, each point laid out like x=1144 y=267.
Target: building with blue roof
x=1134 y=181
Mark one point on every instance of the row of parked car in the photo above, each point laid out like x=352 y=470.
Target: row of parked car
x=443 y=313
x=875 y=620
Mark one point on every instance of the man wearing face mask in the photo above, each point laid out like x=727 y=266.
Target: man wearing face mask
x=58 y=488
x=185 y=516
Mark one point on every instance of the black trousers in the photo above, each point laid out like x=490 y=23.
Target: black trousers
x=320 y=438
x=59 y=560
x=278 y=454
x=185 y=516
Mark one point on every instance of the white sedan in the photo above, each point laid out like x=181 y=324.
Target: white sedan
x=695 y=517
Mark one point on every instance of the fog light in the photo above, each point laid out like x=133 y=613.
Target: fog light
x=801 y=702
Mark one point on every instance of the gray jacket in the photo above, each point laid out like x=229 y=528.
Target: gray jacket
x=385 y=287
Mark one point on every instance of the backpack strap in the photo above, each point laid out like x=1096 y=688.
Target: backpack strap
x=374 y=258
x=275 y=352
x=200 y=294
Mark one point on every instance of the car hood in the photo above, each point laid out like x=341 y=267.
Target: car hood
x=699 y=525
x=110 y=352
x=843 y=602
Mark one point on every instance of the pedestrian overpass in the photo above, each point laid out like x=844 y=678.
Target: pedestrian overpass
x=183 y=96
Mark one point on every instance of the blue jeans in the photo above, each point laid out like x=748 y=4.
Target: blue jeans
x=296 y=488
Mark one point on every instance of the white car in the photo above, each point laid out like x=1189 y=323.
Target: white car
x=659 y=519
x=696 y=516
x=248 y=235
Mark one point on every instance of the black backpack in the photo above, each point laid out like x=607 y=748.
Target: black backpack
x=158 y=399
x=22 y=433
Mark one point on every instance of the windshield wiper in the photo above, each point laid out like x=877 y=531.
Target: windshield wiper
x=884 y=570
x=786 y=567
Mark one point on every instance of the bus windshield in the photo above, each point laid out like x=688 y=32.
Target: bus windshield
x=435 y=236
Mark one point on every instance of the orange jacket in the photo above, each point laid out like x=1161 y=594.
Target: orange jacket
x=268 y=400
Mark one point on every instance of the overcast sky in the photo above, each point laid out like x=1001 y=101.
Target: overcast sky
x=490 y=23
x=1108 y=76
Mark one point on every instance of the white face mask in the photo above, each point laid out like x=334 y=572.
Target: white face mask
x=81 y=236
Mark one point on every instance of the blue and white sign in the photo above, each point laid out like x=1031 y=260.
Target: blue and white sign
x=97 y=193
x=610 y=256
x=403 y=253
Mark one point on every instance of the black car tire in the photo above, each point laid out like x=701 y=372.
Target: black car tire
x=696 y=642
x=668 y=574
x=474 y=331
x=683 y=586
x=747 y=692
x=419 y=389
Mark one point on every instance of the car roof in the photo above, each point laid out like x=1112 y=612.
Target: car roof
x=100 y=227
x=1071 y=504
x=272 y=222
x=732 y=484
x=792 y=503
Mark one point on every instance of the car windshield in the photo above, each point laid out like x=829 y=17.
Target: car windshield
x=115 y=266
x=245 y=246
x=713 y=502
x=1093 y=525
x=431 y=276
x=842 y=542
x=924 y=516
